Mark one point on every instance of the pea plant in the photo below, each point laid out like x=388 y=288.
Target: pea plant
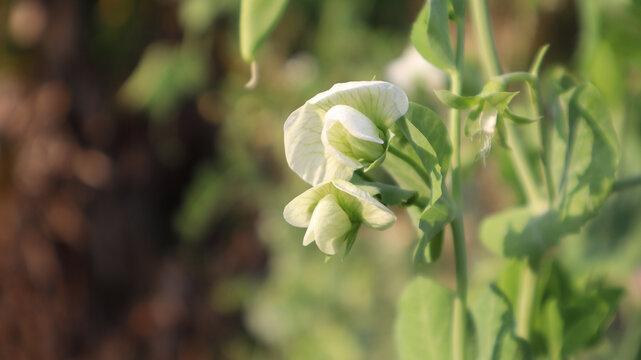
x=362 y=146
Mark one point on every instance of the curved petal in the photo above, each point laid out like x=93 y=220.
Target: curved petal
x=328 y=226
x=299 y=211
x=357 y=124
x=374 y=214
x=304 y=148
x=380 y=101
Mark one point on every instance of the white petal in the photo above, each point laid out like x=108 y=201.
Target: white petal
x=304 y=149
x=329 y=224
x=380 y=101
x=358 y=125
x=374 y=214
x=299 y=211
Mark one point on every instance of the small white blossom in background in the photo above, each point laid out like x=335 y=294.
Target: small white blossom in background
x=342 y=129
x=333 y=212
x=411 y=70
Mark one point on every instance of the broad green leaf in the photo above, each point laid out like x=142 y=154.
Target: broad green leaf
x=456 y=101
x=405 y=176
x=431 y=222
x=427 y=156
x=583 y=178
x=573 y=313
x=437 y=215
x=257 y=18
x=431 y=34
x=587 y=315
x=431 y=126
x=423 y=328
x=494 y=321
x=428 y=137
x=428 y=250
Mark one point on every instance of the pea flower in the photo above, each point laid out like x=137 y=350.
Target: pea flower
x=342 y=129
x=333 y=211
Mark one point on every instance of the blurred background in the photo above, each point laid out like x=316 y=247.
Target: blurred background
x=142 y=186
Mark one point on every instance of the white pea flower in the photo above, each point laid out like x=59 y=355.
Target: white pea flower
x=342 y=129
x=333 y=211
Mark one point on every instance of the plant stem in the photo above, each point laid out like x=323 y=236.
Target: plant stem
x=490 y=58
x=518 y=156
x=525 y=300
x=460 y=305
x=626 y=184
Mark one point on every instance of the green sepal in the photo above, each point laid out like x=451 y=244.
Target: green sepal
x=498 y=99
x=519 y=119
x=472 y=125
x=456 y=101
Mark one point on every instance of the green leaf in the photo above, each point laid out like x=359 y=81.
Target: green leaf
x=538 y=60
x=459 y=9
x=431 y=34
x=456 y=101
x=551 y=325
x=519 y=119
x=405 y=176
x=257 y=18
x=583 y=178
x=431 y=223
x=495 y=324
x=436 y=216
x=423 y=328
x=426 y=154
x=388 y=194
x=573 y=313
x=434 y=130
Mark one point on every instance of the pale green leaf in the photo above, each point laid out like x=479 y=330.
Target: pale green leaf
x=494 y=321
x=431 y=34
x=257 y=18
x=423 y=328
x=583 y=178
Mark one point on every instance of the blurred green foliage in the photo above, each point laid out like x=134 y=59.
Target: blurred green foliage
x=304 y=308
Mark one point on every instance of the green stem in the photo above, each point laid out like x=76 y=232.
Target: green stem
x=481 y=18
x=490 y=58
x=520 y=164
x=518 y=156
x=525 y=300
x=626 y=184
x=460 y=305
